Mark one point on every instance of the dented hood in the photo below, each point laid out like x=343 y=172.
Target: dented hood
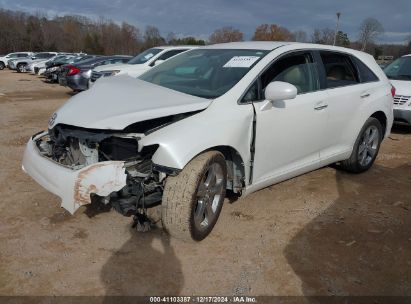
x=116 y=102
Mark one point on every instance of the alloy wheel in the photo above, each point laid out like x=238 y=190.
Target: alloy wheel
x=368 y=145
x=209 y=195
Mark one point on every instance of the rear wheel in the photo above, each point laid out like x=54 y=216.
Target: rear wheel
x=193 y=199
x=21 y=67
x=366 y=147
x=2 y=65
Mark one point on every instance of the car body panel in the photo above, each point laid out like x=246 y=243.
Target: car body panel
x=117 y=108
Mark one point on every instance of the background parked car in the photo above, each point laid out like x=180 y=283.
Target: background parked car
x=77 y=76
x=141 y=63
x=6 y=58
x=38 y=65
x=21 y=64
x=399 y=73
x=53 y=67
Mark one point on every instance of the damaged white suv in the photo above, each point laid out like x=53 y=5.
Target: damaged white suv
x=232 y=117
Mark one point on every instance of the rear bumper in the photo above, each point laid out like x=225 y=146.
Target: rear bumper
x=402 y=116
x=73 y=186
x=76 y=82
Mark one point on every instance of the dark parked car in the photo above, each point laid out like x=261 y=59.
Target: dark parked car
x=77 y=75
x=53 y=68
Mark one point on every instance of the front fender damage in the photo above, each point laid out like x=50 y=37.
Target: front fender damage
x=82 y=165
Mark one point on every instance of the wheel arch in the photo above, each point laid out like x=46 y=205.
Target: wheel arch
x=382 y=118
x=235 y=167
x=236 y=174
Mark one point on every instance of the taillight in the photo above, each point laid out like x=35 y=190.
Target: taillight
x=72 y=70
x=393 y=90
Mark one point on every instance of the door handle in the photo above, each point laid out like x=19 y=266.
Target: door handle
x=365 y=95
x=321 y=107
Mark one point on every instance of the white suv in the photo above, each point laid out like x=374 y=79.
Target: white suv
x=232 y=117
x=139 y=64
x=399 y=72
x=21 y=64
x=6 y=58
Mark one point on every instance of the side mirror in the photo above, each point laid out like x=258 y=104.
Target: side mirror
x=278 y=90
x=158 y=61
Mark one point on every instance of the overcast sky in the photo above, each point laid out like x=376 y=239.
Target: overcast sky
x=201 y=17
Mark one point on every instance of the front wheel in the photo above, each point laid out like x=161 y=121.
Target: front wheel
x=366 y=147
x=193 y=199
x=2 y=65
x=21 y=68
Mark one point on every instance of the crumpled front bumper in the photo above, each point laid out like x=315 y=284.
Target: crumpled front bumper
x=73 y=186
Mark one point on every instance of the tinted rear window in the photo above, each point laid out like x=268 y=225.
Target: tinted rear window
x=365 y=73
x=339 y=70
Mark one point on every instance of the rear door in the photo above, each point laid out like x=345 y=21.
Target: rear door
x=289 y=133
x=347 y=90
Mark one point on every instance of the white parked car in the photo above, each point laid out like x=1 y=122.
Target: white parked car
x=21 y=65
x=232 y=117
x=399 y=73
x=6 y=58
x=139 y=64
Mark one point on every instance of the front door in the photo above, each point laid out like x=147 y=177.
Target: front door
x=289 y=133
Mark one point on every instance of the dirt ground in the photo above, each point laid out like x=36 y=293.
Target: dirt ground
x=323 y=233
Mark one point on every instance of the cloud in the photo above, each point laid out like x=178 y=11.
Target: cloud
x=196 y=17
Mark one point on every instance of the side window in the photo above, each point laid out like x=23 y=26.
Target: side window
x=297 y=69
x=167 y=55
x=339 y=70
x=366 y=75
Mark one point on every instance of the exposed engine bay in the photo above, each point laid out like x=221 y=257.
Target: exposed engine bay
x=77 y=148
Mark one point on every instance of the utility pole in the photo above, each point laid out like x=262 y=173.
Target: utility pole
x=336 y=28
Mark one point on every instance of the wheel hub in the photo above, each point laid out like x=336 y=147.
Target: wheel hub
x=369 y=145
x=208 y=196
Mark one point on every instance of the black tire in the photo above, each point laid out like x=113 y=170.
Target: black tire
x=21 y=68
x=2 y=65
x=182 y=208
x=354 y=164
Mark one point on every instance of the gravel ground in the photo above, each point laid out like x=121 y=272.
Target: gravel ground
x=323 y=233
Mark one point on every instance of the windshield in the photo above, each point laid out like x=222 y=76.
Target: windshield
x=207 y=73
x=400 y=69
x=145 y=56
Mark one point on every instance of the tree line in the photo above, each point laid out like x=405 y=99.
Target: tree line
x=21 y=31
x=25 y=32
